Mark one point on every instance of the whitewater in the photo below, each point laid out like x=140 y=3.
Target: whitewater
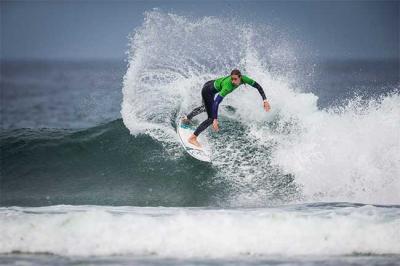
x=297 y=230
x=344 y=153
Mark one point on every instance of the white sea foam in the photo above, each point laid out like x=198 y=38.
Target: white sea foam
x=352 y=153
x=347 y=154
x=191 y=233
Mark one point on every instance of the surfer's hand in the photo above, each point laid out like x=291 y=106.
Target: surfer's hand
x=215 y=125
x=266 y=106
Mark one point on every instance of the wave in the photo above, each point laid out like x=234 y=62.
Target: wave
x=315 y=229
x=345 y=153
x=295 y=153
x=105 y=165
x=99 y=165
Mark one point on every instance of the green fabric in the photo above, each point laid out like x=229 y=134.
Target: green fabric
x=225 y=86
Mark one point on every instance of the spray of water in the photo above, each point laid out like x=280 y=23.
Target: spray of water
x=296 y=151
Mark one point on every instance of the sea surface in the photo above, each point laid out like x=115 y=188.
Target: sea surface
x=92 y=172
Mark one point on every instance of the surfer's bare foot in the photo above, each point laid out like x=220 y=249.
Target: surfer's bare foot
x=185 y=120
x=193 y=140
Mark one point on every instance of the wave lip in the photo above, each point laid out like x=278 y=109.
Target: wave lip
x=199 y=232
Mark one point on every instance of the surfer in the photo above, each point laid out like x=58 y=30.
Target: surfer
x=222 y=87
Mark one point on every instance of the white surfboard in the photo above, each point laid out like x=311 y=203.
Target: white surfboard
x=203 y=153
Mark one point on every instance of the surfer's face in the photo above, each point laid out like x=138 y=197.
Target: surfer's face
x=235 y=79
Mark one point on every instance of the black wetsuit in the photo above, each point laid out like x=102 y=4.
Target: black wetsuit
x=208 y=92
x=210 y=105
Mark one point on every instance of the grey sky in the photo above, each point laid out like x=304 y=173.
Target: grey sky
x=99 y=29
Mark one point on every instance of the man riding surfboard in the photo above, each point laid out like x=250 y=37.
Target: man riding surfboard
x=222 y=87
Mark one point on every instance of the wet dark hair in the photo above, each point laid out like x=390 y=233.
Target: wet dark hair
x=236 y=72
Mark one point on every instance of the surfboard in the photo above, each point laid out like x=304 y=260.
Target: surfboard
x=184 y=131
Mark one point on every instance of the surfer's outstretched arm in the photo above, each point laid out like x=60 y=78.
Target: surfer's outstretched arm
x=260 y=90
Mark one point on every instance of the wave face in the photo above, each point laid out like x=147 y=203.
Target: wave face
x=102 y=165
x=313 y=229
x=295 y=152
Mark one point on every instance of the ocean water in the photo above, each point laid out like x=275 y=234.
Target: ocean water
x=92 y=171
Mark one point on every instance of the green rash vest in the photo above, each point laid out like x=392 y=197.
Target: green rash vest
x=224 y=85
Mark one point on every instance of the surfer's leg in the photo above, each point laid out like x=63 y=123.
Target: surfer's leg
x=208 y=88
x=205 y=124
x=200 y=109
x=207 y=94
x=208 y=98
x=193 y=138
x=196 y=111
